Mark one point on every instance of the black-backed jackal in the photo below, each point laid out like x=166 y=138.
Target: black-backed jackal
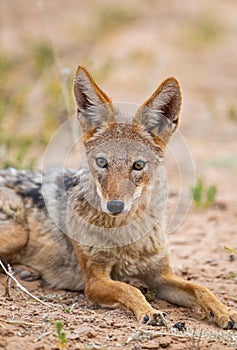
x=107 y=221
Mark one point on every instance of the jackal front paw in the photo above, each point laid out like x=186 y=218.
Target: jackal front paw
x=154 y=318
x=227 y=321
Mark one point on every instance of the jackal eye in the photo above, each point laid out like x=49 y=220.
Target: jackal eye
x=101 y=162
x=138 y=165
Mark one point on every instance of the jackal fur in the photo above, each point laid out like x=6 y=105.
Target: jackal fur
x=90 y=229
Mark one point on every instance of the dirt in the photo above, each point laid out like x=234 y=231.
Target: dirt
x=154 y=46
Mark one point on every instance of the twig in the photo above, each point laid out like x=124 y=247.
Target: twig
x=196 y=340
x=20 y=322
x=41 y=336
x=233 y=298
x=172 y=334
x=154 y=334
x=8 y=282
x=191 y=333
x=230 y=250
x=22 y=288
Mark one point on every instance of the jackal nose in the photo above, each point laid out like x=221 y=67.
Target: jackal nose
x=115 y=206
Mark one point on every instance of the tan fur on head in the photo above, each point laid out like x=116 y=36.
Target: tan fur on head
x=106 y=137
x=159 y=114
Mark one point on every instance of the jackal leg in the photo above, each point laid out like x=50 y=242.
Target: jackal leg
x=181 y=292
x=13 y=228
x=101 y=289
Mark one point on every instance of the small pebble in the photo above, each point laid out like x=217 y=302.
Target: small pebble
x=164 y=344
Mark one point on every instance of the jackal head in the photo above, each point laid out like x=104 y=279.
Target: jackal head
x=123 y=154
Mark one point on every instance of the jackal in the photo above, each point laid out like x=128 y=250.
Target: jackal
x=91 y=229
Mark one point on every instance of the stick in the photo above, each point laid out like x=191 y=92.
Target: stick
x=22 y=288
x=20 y=322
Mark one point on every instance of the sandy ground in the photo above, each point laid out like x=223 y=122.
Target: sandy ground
x=130 y=60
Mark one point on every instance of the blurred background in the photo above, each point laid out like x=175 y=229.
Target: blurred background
x=129 y=47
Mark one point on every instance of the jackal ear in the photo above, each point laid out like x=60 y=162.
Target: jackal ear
x=160 y=113
x=93 y=106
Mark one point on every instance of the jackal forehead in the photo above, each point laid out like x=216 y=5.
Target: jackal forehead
x=122 y=149
x=122 y=139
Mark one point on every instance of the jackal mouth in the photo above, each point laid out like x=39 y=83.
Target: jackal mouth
x=116 y=214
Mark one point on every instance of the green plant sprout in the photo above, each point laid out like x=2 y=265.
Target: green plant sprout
x=61 y=335
x=203 y=197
